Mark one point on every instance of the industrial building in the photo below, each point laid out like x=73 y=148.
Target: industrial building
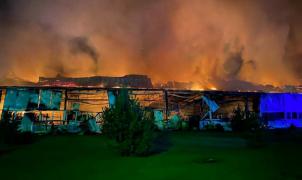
x=48 y=106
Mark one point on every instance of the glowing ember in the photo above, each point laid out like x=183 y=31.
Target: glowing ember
x=197 y=87
x=213 y=88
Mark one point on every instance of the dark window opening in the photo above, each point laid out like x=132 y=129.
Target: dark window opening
x=294 y=115
x=300 y=115
x=273 y=116
x=289 y=115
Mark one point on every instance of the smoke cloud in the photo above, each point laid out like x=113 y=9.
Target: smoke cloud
x=80 y=45
x=206 y=41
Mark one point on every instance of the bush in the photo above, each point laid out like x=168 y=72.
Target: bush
x=9 y=133
x=129 y=125
x=252 y=121
x=210 y=127
x=242 y=121
x=214 y=127
x=184 y=125
x=292 y=128
x=194 y=122
x=219 y=128
x=237 y=121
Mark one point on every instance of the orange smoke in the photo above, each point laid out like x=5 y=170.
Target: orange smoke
x=205 y=42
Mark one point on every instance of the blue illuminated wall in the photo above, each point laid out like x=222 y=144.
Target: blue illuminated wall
x=281 y=110
x=21 y=99
x=111 y=98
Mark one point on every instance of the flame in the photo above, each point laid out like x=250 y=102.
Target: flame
x=197 y=87
x=213 y=88
x=189 y=42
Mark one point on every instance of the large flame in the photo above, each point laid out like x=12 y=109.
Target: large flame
x=210 y=42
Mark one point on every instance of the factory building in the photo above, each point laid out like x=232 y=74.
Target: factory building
x=48 y=106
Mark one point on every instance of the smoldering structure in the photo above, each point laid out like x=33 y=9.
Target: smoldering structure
x=46 y=107
x=133 y=81
x=194 y=45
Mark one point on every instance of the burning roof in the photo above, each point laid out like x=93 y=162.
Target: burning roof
x=133 y=81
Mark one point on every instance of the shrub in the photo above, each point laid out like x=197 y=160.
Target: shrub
x=252 y=121
x=292 y=128
x=237 y=120
x=194 y=122
x=219 y=128
x=242 y=121
x=9 y=131
x=214 y=127
x=210 y=127
x=129 y=125
x=175 y=122
x=184 y=125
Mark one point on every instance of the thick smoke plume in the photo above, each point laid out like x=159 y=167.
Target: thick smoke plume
x=204 y=41
x=80 y=45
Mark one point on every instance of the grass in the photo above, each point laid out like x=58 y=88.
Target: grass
x=192 y=156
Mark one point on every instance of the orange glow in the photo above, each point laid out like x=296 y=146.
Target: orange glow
x=213 y=88
x=208 y=42
x=197 y=87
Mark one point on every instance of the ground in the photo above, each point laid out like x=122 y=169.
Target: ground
x=191 y=156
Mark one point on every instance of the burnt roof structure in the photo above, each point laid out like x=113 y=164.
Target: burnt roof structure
x=132 y=81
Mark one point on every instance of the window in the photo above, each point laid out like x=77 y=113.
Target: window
x=289 y=115
x=271 y=116
x=294 y=115
x=300 y=115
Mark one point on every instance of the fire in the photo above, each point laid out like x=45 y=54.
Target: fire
x=197 y=87
x=101 y=85
x=201 y=87
x=61 y=84
x=213 y=88
x=188 y=41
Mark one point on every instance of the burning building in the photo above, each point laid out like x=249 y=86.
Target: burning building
x=61 y=105
x=248 y=46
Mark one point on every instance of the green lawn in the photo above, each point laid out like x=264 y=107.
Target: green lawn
x=90 y=157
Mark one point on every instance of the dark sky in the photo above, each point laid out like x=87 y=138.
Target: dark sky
x=258 y=41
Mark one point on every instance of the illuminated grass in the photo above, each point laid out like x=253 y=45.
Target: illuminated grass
x=84 y=157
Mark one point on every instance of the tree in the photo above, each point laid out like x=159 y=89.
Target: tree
x=242 y=121
x=10 y=133
x=129 y=125
x=237 y=120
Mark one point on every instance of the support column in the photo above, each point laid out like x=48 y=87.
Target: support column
x=65 y=107
x=247 y=111
x=166 y=103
